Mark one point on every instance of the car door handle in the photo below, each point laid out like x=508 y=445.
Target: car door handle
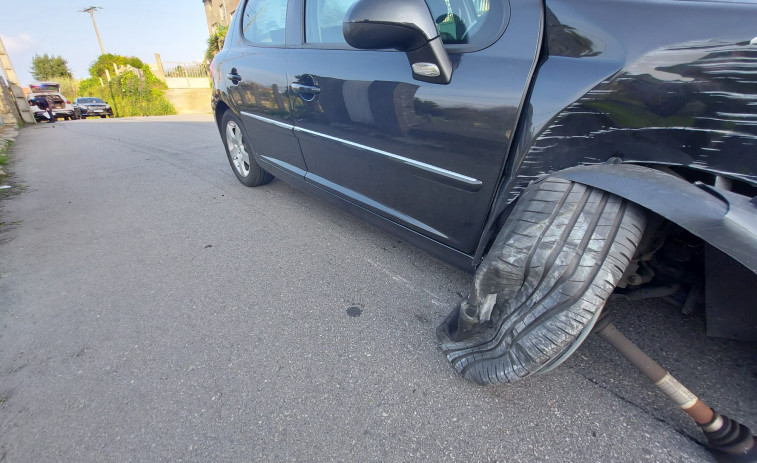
x=311 y=89
x=234 y=77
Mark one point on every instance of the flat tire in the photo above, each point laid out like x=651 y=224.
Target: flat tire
x=552 y=267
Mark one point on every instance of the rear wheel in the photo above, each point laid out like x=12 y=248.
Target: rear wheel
x=240 y=154
x=550 y=270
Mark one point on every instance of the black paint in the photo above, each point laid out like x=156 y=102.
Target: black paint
x=649 y=83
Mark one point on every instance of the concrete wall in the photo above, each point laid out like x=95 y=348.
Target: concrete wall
x=188 y=82
x=190 y=100
x=189 y=95
x=8 y=112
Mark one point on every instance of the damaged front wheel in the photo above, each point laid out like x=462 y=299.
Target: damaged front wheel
x=541 y=287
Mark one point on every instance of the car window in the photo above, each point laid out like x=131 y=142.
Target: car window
x=474 y=22
x=323 y=20
x=263 y=21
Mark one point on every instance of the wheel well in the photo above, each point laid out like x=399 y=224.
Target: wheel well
x=221 y=108
x=700 y=243
x=673 y=264
x=693 y=175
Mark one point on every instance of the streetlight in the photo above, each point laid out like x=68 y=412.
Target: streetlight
x=91 y=10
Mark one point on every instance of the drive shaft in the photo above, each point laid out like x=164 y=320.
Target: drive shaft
x=728 y=440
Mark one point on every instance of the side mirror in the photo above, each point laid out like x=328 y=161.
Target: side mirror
x=404 y=25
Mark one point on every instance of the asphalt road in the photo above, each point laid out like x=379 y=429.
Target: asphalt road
x=154 y=309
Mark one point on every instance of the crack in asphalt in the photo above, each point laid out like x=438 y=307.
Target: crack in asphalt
x=682 y=432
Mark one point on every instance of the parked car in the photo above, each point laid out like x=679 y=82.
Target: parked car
x=559 y=150
x=61 y=107
x=92 y=107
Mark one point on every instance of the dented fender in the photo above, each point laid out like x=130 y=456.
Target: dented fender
x=725 y=220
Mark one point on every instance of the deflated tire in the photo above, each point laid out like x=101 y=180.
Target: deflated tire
x=550 y=271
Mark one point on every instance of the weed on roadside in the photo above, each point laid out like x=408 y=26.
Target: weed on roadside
x=5 y=146
x=4 y=149
x=5 y=193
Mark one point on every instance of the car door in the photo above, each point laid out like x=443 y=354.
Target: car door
x=255 y=66
x=426 y=156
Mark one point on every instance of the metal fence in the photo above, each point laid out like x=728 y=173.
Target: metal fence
x=174 y=69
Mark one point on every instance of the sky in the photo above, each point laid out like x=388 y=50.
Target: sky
x=176 y=29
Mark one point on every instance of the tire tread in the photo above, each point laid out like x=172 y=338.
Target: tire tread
x=566 y=245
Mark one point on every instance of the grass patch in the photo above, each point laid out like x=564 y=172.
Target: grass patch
x=4 y=148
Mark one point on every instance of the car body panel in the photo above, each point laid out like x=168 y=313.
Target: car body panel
x=44 y=88
x=261 y=100
x=652 y=91
x=258 y=95
x=412 y=140
x=414 y=152
x=672 y=87
x=669 y=92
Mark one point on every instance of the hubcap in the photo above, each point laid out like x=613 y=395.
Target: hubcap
x=238 y=154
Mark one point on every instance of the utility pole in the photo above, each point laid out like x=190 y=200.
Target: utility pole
x=91 y=10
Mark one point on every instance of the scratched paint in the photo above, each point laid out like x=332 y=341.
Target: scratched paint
x=688 y=102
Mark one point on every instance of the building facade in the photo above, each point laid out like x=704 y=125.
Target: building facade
x=219 y=13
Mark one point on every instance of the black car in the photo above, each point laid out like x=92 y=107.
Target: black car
x=85 y=107
x=561 y=151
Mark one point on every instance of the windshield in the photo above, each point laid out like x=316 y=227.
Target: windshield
x=89 y=100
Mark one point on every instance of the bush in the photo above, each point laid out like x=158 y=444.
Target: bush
x=135 y=91
x=68 y=86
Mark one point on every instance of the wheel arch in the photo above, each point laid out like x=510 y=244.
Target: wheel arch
x=604 y=91
x=725 y=220
x=220 y=108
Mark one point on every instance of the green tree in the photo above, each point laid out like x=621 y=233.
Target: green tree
x=68 y=86
x=215 y=43
x=106 y=62
x=132 y=91
x=46 y=67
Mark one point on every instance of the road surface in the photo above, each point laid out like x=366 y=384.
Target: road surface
x=154 y=309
